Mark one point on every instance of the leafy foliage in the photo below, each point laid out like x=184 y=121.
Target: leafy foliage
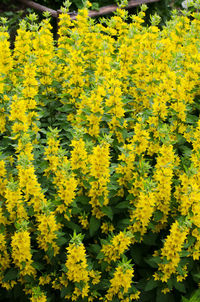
x=99 y=162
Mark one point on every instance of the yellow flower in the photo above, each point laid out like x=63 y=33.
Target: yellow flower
x=47 y=227
x=38 y=297
x=172 y=247
x=79 y=156
x=165 y=290
x=76 y=263
x=100 y=162
x=118 y=245
x=120 y=283
x=21 y=252
x=5 y=260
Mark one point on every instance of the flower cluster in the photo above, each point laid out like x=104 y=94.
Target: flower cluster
x=99 y=158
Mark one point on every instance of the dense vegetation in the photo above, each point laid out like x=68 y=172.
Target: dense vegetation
x=99 y=162
x=163 y=7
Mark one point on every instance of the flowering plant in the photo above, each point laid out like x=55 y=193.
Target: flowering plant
x=99 y=162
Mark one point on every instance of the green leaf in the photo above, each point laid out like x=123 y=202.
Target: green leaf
x=100 y=255
x=151 y=284
x=95 y=6
x=82 y=199
x=160 y=297
x=94 y=226
x=61 y=241
x=137 y=236
x=11 y=274
x=123 y=205
x=185 y=300
x=73 y=226
x=29 y=279
x=50 y=252
x=108 y=211
x=66 y=290
x=66 y=108
x=124 y=222
x=197 y=275
x=113 y=187
x=179 y=286
x=191 y=119
x=153 y=261
x=157 y=215
x=196 y=296
x=147 y=296
x=170 y=284
x=184 y=253
x=190 y=241
x=94 y=248
x=136 y=254
x=38 y=266
x=150 y=239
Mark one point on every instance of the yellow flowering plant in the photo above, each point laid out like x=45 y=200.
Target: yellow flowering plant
x=99 y=159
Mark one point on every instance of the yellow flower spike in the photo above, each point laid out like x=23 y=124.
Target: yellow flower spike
x=118 y=245
x=38 y=295
x=100 y=162
x=79 y=156
x=47 y=227
x=172 y=247
x=142 y=214
x=6 y=62
x=120 y=283
x=14 y=203
x=21 y=252
x=76 y=264
x=5 y=260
